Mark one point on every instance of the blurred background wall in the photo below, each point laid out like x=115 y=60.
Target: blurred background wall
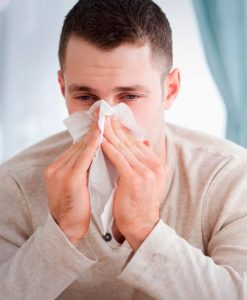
x=31 y=106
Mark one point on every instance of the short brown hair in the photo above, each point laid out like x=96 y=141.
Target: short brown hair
x=109 y=23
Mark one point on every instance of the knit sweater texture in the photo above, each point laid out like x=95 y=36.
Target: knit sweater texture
x=198 y=249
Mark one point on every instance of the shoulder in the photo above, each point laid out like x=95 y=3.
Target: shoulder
x=215 y=171
x=38 y=155
x=208 y=165
x=195 y=148
x=195 y=140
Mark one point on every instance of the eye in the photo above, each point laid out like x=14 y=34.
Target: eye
x=86 y=98
x=131 y=97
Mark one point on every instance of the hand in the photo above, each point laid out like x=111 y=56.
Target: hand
x=66 y=185
x=141 y=182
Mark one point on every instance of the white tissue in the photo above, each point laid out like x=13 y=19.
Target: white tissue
x=102 y=173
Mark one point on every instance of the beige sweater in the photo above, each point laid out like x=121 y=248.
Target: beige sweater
x=198 y=250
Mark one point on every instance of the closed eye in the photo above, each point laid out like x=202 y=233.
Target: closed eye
x=126 y=97
x=130 y=97
x=86 y=98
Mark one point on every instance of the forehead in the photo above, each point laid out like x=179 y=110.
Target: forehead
x=83 y=57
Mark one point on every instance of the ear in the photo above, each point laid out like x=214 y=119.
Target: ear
x=61 y=82
x=172 y=87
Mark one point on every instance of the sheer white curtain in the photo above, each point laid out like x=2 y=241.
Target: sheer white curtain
x=31 y=106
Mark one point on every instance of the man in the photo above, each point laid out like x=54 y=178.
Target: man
x=180 y=206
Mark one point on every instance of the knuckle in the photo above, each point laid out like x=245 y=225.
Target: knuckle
x=73 y=147
x=130 y=144
x=91 y=140
x=158 y=169
x=59 y=175
x=138 y=143
x=81 y=144
x=162 y=172
x=148 y=176
x=49 y=170
x=121 y=145
x=74 y=180
x=81 y=141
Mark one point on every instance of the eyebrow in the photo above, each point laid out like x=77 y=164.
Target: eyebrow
x=87 y=89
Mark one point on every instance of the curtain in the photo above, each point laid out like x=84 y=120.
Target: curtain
x=223 y=27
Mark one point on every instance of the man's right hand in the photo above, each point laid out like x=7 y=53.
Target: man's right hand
x=66 y=184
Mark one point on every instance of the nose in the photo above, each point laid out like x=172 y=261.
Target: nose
x=110 y=101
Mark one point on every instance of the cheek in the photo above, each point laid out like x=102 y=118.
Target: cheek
x=74 y=106
x=149 y=114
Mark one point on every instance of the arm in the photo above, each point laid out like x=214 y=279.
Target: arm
x=166 y=266
x=38 y=265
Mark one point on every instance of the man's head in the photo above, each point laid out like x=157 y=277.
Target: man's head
x=108 y=24
x=119 y=51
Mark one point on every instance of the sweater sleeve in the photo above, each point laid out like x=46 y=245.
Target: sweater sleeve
x=34 y=265
x=167 y=267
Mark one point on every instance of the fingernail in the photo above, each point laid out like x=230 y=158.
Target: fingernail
x=147 y=143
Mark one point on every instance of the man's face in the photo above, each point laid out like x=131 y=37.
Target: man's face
x=126 y=74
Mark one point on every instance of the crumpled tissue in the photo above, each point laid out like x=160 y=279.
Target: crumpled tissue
x=102 y=176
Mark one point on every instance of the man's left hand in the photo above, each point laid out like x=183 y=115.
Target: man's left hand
x=141 y=183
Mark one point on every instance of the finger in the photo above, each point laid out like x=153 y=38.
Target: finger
x=62 y=160
x=110 y=135
x=96 y=115
x=116 y=124
x=142 y=153
x=130 y=148
x=136 y=146
x=122 y=165
x=124 y=133
x=85 y=158
x=154 y=160
x=147 y=154
x=123 y=144
x=85 y=138
x=68 y=160
x=71 y=162
x=65 y=157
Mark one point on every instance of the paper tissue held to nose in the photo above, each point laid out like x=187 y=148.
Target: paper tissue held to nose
x=102 y=175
